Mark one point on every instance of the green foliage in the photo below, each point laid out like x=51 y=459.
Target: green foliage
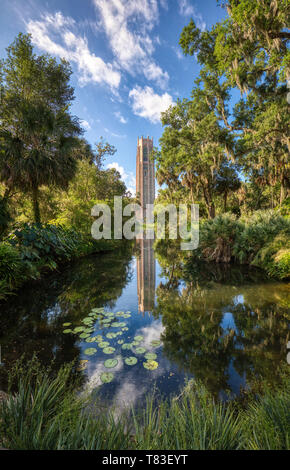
x=35 y=247
x=194 y=421
x=274 y=257
x=11 y=266
x=267 y=421
x=89 y=186
x=46 y=413
x=218 y=236
x=249 y=51
x=46 y=243
x=38 y=136
x=285 y=207
x=261 y=240
x=193 y=152
x=259 y=229
x=5 y=216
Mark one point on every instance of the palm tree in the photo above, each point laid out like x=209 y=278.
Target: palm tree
x=38 y=136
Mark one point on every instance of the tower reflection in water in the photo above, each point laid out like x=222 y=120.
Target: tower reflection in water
x=146 y=276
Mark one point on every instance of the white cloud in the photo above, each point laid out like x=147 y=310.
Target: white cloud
x=186 y=9
x=128 y=177
x=53 y=34
x=178 y=53
x=149 y=105
x=113 y=134
x=85 y=124
x=120 y=117
x=128 y=25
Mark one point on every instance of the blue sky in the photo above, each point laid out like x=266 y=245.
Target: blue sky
x=125 y=56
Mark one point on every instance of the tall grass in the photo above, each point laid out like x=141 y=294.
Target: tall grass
x=267 y=420
x=193 y=421
x=46 y=413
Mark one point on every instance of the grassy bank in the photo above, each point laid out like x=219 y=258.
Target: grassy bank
x=29 y=252
x=44 y=412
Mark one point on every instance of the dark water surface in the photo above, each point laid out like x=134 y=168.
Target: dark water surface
x=221 y=325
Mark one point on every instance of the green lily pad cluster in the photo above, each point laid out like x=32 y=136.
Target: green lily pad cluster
x=99 y=319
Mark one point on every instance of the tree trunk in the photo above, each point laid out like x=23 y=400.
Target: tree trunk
x=36 y=210
x=191 y=194
x=209 y=203
x=225 y=201
x=211 y=210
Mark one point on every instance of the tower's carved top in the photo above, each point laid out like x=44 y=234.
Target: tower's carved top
x=147 y=140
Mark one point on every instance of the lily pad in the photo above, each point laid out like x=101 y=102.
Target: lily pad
x=140 y=350
x=66 y=324
x=107 y=377
x=67 y=331
x=125 y=328
x=109 y=350
x=90 y=351
x=150 y=365
x=104 y=344
x=78 y=329
x=138 y=338
x=88 y=321
x=150 y=356
x=118 y=324
x=90 y=340
x=155 y=343
x=131 y=361
x=120 y=341
x=127 y=346
x=111 y=335
x=84 y=335
x=110 y=363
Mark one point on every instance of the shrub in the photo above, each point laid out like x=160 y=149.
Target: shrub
x=261 y=240
x=47 y=244
x=11 y=266
x=217 y=238
x=274 y=257
x=4 y=289
x=259 y=229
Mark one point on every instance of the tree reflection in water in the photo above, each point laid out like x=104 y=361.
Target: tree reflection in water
x=32 y=320
x=221 y=320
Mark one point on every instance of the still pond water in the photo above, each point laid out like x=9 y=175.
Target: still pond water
x=224 y=326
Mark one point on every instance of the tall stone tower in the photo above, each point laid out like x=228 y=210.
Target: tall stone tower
x=145 y=172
